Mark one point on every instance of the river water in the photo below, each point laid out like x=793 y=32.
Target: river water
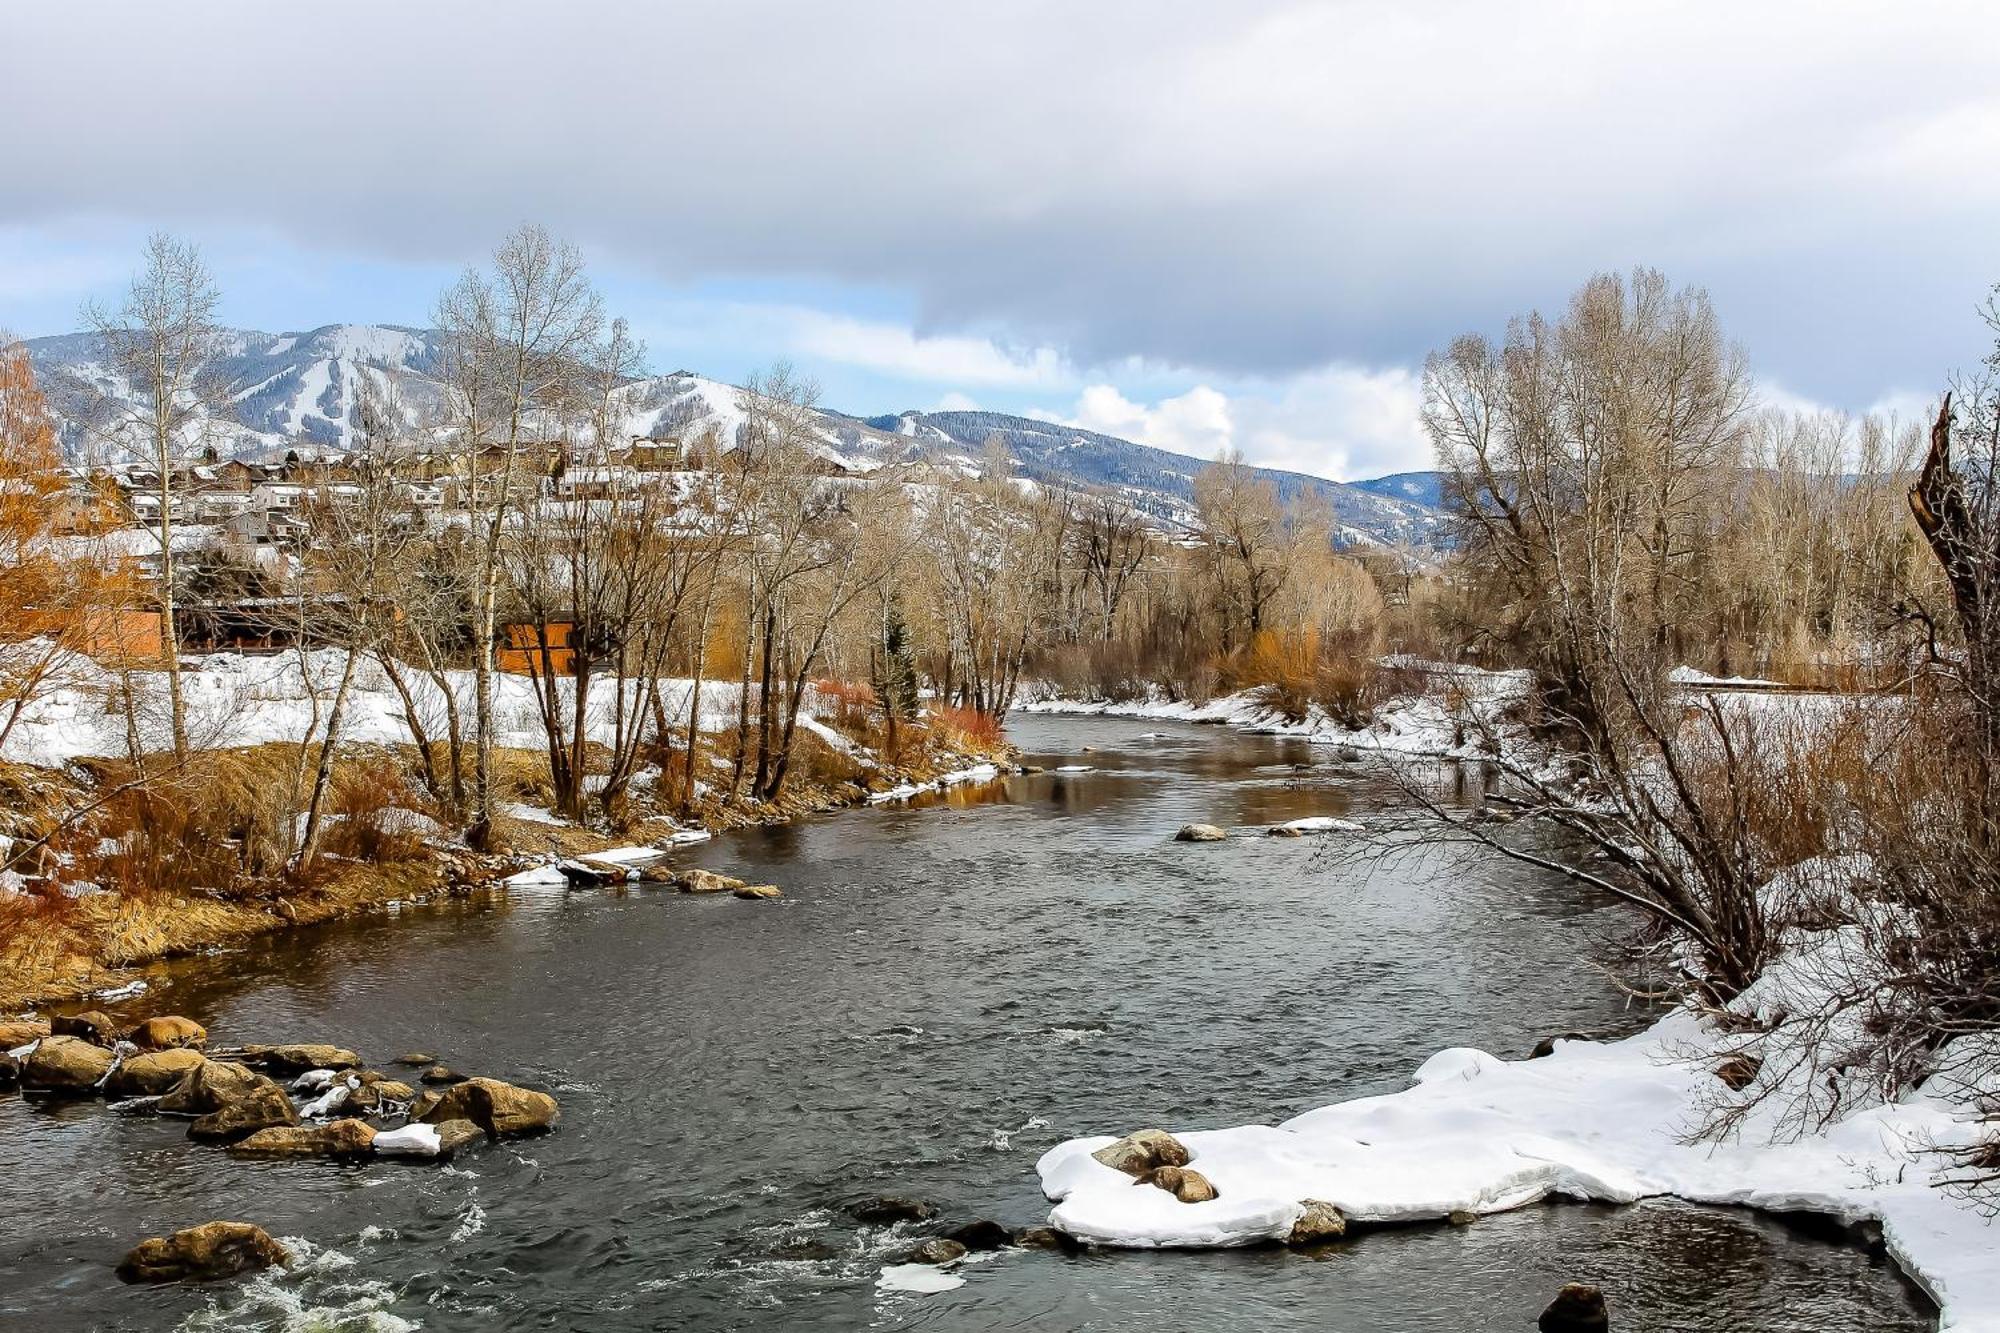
x=947 y=989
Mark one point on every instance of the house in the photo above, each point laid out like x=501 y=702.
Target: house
x=519 y=651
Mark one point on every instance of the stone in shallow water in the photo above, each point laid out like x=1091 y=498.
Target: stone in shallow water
x=205 y=1253
x=890 y=1208
x=1319 y=1223
x=94 y=1026
x=154 y=1073
x=1200 y=833
x=1577 y=1308
x=501 y=1109
x=342 y=1138
x=260 y=1108
x=169 y=1032
x=65 y=1064
x=937 y=1250
x=297 y=1057
x=981 y=1235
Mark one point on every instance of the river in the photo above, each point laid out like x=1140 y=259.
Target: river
x=947 y=989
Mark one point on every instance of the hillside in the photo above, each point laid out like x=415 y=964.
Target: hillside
x=292 y=389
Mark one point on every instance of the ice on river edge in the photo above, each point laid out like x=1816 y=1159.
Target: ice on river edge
x=1600 y=1121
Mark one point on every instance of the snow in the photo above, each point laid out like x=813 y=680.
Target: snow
x=1323 y=824
x=1611 y=1122
x=905 y=790
x=1684 y=675
x=1448 y=720
x=124 y=992
x=412 y=1140
x=923 y=1279
x=538 y=877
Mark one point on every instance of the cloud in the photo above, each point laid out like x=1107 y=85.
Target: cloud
x=1255 y=188
x=1340 y=421
x=896 y=350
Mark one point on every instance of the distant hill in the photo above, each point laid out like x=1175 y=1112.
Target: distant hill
x=285 y=390
x=1424 y=488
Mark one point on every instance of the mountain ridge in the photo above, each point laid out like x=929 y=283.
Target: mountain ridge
x=285 y=390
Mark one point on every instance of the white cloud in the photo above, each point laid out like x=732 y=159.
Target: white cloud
x=894 y=349
x=1344 y=422
x=955 y=402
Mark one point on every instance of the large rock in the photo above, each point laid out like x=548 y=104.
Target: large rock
x=167 y=1033
x=210 y=1086
x=1319 y=1223
x=1047 y=1238
x=705 y=881
x=263 y=1107
x=66 y=1064
x=10 y=1071
x=16 y=1033
x=342 y=1138
x=439 y=1074
x=202 y=1254
x=297 y=1057
x=981 y=1235
x=1577 y=1308
x=1183 y=1182
x=936 y=1250
x=501 y=1109
x=152 y=1073
x=95 y=1026
x=1143 y=1151
x=1200 y=833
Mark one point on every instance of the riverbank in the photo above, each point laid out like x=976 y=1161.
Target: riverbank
x=92 y=914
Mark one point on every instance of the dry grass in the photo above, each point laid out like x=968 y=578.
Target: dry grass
x=967 y=730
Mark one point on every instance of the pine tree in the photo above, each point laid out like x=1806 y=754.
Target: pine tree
x=895 y=673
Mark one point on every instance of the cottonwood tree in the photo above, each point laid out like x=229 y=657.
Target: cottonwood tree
x=160 y=343
x=514 y=343
x=1588 y=456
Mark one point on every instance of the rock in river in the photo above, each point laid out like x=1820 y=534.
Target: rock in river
x=1184 y=1183
x=1319 y=1223
x=202 y=1254
x=1577 y=1308
x=981 y=1235
x=95 y=1026
x=66 y=1064
x=1142 y=1151
x=758 y=891
x=1200 y=833
x=19 y=1033
x=153 y=1073
x=169 y=1033
x=705 y=881
x=342 y=1138
x=936 y=1250
x=210 y=1086
x=498 y=1108
x=298 y=1057
x=261 y=1107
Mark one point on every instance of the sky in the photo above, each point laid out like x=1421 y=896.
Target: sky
x=1200 y=225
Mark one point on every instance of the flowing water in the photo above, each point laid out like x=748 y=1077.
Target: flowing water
x=946 y=990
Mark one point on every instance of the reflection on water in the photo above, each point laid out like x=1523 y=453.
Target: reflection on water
x=948 y=988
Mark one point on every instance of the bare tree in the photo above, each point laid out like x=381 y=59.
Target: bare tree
x=161 y=343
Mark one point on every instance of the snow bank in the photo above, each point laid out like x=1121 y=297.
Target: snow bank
x=1602 y=1121
x=1448 y=720
x=1320 y=824
x=411 y=1140
x=905 y=790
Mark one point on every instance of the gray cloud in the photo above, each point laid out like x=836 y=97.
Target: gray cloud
x=1242 y=188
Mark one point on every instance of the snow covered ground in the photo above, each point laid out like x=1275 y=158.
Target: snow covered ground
x=1445 y=721
x=235 y=700
x=1612 y=1122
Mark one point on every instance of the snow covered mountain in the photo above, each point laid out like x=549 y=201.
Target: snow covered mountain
x=292 y=389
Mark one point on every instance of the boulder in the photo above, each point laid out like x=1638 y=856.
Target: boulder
x=171 y=1032
x=1319 y=1223
x=1142 y=1151
x=765 y=891
x=10 y=1071
x=1286 y=831
x=1577 y=1308
x=501 y=1109
x=210 y=1086
x=1199 y=833
x=95 y=1026
x=152 y=1073
x=1047 y=1238
x=297 y=1057
x=439 y=1074
x=342 y=1138
x=656 y=875
x=1184 y=1183
x=705 y=881
x=1461 y=1217
x=202 y=1254
x=19 y=1032
x=416 y=1059
x=886 y=1209
x=421 y=1104
x=936 y=1250
x=590 y=875
x=66 y=1064
x=262 y=1107
x=394 y=1089
x=981 y=1235
x=1547 y=1045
